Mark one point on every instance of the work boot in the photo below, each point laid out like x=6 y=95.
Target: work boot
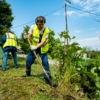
x=3 y=69
x=28 y=72
x=53 y=84
x=50 y=77
x=24 y=75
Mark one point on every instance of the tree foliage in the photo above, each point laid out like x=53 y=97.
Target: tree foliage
x=73 y=69
x=51 y=41
x=5 y=17
x=63 y=53
x=25 y=46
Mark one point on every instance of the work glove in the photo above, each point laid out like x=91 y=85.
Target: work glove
x=33 y=47
x=25 y=36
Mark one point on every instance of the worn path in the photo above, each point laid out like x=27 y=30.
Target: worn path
x=52 y=62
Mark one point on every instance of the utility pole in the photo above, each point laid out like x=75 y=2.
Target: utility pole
x=99 y=37
x=66 y=17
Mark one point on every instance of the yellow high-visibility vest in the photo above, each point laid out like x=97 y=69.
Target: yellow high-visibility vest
x=36 y=37
x=11 y=40
x=9 y=53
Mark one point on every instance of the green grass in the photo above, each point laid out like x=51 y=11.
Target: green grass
x=49 y=57
x=15 y=87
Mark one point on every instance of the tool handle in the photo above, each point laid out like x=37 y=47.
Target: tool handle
x=37 y=58
x=40 y=62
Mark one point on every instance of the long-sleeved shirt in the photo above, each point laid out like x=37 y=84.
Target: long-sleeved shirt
x=3 y=40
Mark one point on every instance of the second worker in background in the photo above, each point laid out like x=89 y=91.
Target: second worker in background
x=9 y=42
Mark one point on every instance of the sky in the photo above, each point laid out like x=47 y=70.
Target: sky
x=84 y=26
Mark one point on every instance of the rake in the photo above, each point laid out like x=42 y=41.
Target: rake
x=41 y=64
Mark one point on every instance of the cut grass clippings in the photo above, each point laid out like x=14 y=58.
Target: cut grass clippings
x=15 y=87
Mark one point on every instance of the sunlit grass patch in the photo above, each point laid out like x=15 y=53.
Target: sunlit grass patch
x=15 y=87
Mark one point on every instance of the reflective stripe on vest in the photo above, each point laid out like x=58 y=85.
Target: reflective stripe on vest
x=11 y=40
x=45 y=44
x=46 y=71
x=36 y=37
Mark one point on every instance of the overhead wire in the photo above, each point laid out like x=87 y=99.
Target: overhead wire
x=83 y=10
x=55 y=11
x=97 y=20
x=34 y=20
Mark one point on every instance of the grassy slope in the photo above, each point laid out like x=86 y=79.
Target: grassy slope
x=15 y=87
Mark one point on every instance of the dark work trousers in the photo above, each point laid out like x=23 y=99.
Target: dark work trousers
x=30 y=59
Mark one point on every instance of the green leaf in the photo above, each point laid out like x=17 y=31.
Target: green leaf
x=42 y=90
x=77 y=88
x=74 y=43
x=67 y=36
x=98 y=84
x=1 y=53
x=73 y=49
x=93 y=69
x=89 y=74
x=73 y=37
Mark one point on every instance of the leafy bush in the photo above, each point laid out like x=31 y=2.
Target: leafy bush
x=75 y=70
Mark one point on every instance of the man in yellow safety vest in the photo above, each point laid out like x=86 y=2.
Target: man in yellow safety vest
x=40 y=44
x=9 y=42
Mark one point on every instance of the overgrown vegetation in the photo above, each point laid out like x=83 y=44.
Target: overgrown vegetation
x=75 y=71
x=76 y=78
x=15 y=87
